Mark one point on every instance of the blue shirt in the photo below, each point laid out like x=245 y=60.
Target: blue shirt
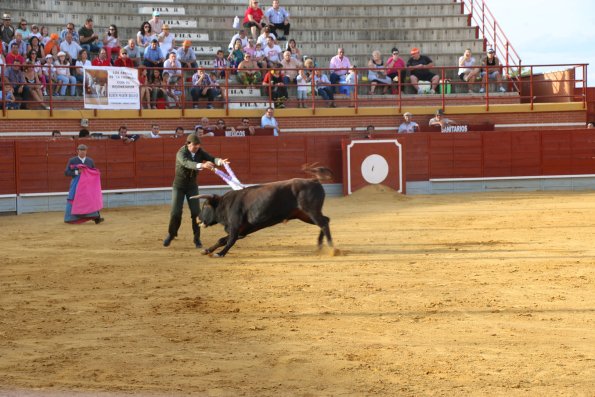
x=267 y=121
x=277 y=16
x=153 y=55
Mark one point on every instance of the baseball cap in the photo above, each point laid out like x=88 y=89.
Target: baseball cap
x=407 y=114
x=193 y=139
x=491 y=51
x=439 y=112
x=6 y=17
x=61 y=54
x=54 y=36
x=187 y=43
x=154 y=41
x=82 y=147
x=414 y=51
x=49 y=56
x=156 y=13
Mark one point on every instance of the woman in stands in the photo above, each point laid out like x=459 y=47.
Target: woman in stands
x=395 y=66
x=81 y=63
x=45 y=35
x=295 y=51
x=157 y=89
x=63 y=76
x=23 y=30
x=377 y=75
x=35 y=45
x=111 y=42
x=237 y=55
x=36 y=62
x=35 y=86
x=145 y=90
x=144 y=37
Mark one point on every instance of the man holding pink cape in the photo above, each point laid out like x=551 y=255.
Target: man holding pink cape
x=84 y=197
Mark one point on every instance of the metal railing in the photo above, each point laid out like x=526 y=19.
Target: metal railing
x=394 y=93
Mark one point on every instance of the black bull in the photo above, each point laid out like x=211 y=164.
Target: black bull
x=246 y=211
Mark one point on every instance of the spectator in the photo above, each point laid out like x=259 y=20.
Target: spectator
x=111 y=43
x=23 y=29
x=102 y=59
x=35 y=33
x=179 y=132
x=236 y=56
x=14 y=55
x=6 y=29
x=277 y=90
x=203 y=88
x=174 y=68
x=70 y=28
x=339 y=66
x=172 y=93
x=134 y=53
x=323 y=87
x=144 y=37
x=79 y=72
x=63 y=76
x=290 y=68
x=468 y=71
x=254 y=19
x=145 y=90
x=265 y=33
x=246 y=127
x=295 y=51
x=241 y=35
x=54 y=42
x=268 y=121
x=222 y=129
x=220 y=64
x=45 y=35
x=167 y=41
x=123 y=135
x=84 y=133
x=248 y=72
x=124 y=60
x=272 y=53
x=278 y=19
x=440 y=120
x=7 y=96
x=35 y=86
x=156 y=23
x=250 y=48
x=88 y=37
x=492 y=70
x=70 y=47
x=35 y=46
x=48 y=67
x=370 y=130
x=157 y=87
x=377 y=73
x=350 y=84
x=419 y=70
x=205 y=128
x=304 y=88
x=590 y=124
x=36 y=62
x=186 y=55
x=259 y=57
x=153 y=56
x=155 y=132
x=408 y=126
x=56 y=134
x=22 y=44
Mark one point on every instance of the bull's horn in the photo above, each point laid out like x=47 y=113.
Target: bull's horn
x=203 y=196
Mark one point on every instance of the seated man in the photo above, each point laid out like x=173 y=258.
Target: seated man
x=339 y=66
x=123 y=135
x=134 y=53
x=246 y=127
x=248 y=72
x=418 y=65
x=491 y=70
x=268 y=120
x=205 y=128
x=440 y=121
x=290 y=67
x=278 y=19
x=408 y=126
x=202 y=87
x=323 y=88
x=272 y=53
x=173 y=67
x=276 y=88
x=186 y=55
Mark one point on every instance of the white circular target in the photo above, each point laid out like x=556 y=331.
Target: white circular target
x=374 y=168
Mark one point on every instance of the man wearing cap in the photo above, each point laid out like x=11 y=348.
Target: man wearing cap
x=492 y=70
x=6 y=29
x=408 y=126
x=190 y=159
x=88 y=38
x=124 y=60
x=73 y=171
x=186 y=55
x=167 y=41
x=418 y=68
x=156 y=23
x=440 y=121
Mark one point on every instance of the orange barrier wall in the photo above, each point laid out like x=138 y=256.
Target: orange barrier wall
x=34 y=166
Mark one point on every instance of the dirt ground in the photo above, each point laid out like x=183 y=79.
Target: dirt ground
x=477 y=294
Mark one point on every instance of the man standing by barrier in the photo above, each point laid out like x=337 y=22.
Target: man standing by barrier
x=189 y=160
x=84 y=196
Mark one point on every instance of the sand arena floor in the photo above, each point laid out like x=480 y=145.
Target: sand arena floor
x=478 y=294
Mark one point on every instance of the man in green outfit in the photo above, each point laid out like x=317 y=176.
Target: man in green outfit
x=189 y=160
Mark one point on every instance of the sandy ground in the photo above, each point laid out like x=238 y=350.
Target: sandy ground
x=479 y=294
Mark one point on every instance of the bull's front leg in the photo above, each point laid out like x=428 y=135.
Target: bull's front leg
x=232 y=237
x=220 y=243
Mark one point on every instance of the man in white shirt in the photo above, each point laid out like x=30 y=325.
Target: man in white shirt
x=272 y=53
x=408 y=126
x=71 y=47
x=154 y=131
x=172 y=66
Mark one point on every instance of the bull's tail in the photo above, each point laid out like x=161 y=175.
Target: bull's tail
x=319 y=172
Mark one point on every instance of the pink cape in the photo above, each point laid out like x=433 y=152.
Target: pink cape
x=88 y=197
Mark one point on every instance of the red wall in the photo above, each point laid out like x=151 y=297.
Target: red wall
x=30 y=166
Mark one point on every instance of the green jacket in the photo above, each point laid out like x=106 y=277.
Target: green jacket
x=186 y=167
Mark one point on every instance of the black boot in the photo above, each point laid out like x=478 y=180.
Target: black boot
x=197 y=242
x=167 y=240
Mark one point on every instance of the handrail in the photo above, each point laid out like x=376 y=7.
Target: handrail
x=527 y=90
x=492 y=34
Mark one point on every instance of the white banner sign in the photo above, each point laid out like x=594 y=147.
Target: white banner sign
x=111 y=88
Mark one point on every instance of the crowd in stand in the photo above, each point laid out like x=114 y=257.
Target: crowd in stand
x=39 y=63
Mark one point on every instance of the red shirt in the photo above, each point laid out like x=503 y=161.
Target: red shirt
x=10 y=58
x=99 y=62
x=124 y=62
x=257 y=14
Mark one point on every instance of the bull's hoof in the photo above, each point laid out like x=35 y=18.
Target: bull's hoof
x=205 y=252
x=216 y=256
x=330 y=251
